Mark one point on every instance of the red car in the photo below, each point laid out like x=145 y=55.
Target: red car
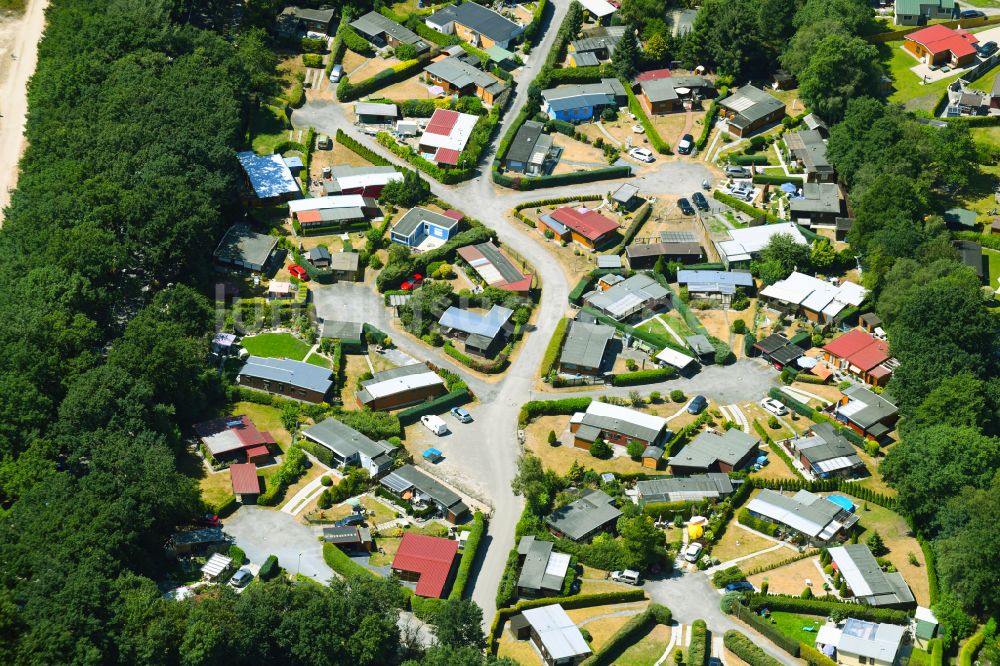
x=298 y=272
x=412 y=283
x=209 y=520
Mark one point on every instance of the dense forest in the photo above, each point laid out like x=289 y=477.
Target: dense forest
x=129 y=179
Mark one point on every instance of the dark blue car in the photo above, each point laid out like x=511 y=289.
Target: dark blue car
x=697 y=404
x=351 y=521
x=739 y=587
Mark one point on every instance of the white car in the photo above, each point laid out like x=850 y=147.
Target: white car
x=693 y=551
x=638 y=129
x=435 y=424
x=641 y=154
x=628 y=576
x=773 y=406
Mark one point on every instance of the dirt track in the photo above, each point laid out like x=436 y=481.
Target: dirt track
x=18 y=56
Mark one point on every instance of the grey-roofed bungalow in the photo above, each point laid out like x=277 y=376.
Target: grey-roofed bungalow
x=582 y=520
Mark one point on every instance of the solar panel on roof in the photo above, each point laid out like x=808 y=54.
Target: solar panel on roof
x=678 y=237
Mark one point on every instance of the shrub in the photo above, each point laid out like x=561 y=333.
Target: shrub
x=635 y=449
x=468 y=557
x=698 y=651
x=312 y=60
x=554 y=346
x=876 y=545
x=338 y=560
x=326 y=481
x=292 y=467
x=269 y=569
x=552 y=439
x=773 y=423
x=677 y=395
x=724 y=577
x=601 y=449
x=754 y=523
x=239 y=557
x=356 y=42
x=535 y=408
x=744 y=648
x=739 y=326
x=643 y=377
x=629 y=633
x=313 y=45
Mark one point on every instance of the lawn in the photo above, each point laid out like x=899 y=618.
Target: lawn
x=791 y=578
x=276 y=345
x=648 y=649
x=560 y=458
x=266 y=418
x=993 y=257
x=792 y=625
x=317 y=359
x=896 y=535
x=908 y=89
x=737 y=542
x=522 y=652
x=268 y=128
x=603 y=629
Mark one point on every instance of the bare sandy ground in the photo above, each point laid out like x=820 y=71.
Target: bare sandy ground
x=18 y=55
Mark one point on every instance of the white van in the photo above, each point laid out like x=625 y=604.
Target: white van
x=435 y=424
x=336 y=73
x=627 y=576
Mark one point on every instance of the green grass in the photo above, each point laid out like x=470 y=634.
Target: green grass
x=276 y=345
x=15 y=6
x=316 y=359
x=268 y=128
x=993 y=257
x=791 y=625
x=908 y=89
x=648 y=649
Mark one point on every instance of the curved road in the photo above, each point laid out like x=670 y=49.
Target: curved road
x=488 y=447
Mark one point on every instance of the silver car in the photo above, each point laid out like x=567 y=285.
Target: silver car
x=737 y=172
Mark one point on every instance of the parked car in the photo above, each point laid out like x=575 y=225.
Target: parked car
x=299 y=272
x=971 y=14
x=774 y=406
x=638 y=129
x=642 y=154
x=685 y=145
x=352 y=520
x=462 y=415
x=693 y=551
x=685 y=206
x=737 y=171
x=627 y=576
x=987 y=49
x=336 y=73
x=209 y=520
x=241 y=578
x=412 y=283
x=697 y=404
x=700 y=201
x=435 y=424
x=743 y=191
x=739 y=586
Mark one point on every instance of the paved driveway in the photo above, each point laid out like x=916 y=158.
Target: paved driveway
x=262 y=532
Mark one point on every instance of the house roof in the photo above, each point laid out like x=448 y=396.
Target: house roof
x=585 y=58
x=398 y=380
x=866 y=408
x=913 y=6
x=598 y=8
x=318 y=254
x=625 y=193
x=561 y=638
x=345 y=261
x=772 y=343
x=542 y=568
x=487 y=325
x=345 y=441
x=652 y=74
x=408 y=476
x=448 y=129
x=750 y=104
x=685 y=489
x=244 y=479
x=663 y=250
x=623 y=297
x=375 y=109
x=723 y=282
x=576 y=95
x=879 y=642
x=294 y=373
x=675 y=358
x=699 y=344
x=804 y=512
x=242 y=245
x=709 y=448
x=460 y=74
x=431 y=557
x=860 y=349
x=446 y=156
x=588 y=223
x=939 y=38
x=816 y=295
x=613 y=261
x=809 y=146
x=478 y=18
x=817 y=198
x=350 y=201
x=752 y=240
x=665 y=89
x=578 y=519
x=629 y=422
x=867 y=580
x=321 y=15
x=827 y=450
x=268 y=174
x=417 y=217
x=523 y=145
x=231 y=433
x=347 y=535
x=494 y=267
x=353 y=177
x=585 y=344
x=962 y=217
x=373 y=24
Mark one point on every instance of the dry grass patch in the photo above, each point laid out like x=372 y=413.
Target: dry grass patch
x=576 y=151
x=581 y=616
x=410 y=88
x=648 y=650
x=603 y=629
x=896 y=535
x=791 y=578
x=266 y=418
x=561 y=458
x=521 y=652
x=737 y=542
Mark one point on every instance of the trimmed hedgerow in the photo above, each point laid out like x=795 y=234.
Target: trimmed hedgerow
x=555 y=345
x=468 y=556
x=698 y=651
x=644 y=377
x=744 y=648
x=535 y=408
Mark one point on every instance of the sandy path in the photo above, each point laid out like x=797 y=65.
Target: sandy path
x=14 y=75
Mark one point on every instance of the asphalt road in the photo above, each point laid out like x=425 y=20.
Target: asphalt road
x=262 y=532
x=482 y=456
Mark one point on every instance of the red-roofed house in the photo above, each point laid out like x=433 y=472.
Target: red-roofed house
x=581 y=225
x=939 y=45
x=653 y=75
x=446 y=157
x=428 y=561
x=446 y=134
x=861 y=354
x=456 y=215
x=246 y=485
x=495 y=268
x=235 y=437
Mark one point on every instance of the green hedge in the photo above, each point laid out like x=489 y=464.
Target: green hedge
x=780 y=602
x=698 y=651
x=290 y=470
x=364 y=151
x=337 y=560
x=554 y=346
x=374 y=335
x=581 y=288
x=535 y=408
x=630 y=632
x=643 y=377
x=525 y=183
x=744 y=648
x=771 y=631
x=269 y=569
x=492 y=367
x=223 y=507
x=446 y=176
x=356 y=42
x=636 y=108
x=757 y=524
x=706 y=130
x=968 y=653
x=724 y=577
x=743 y=206
x=507 y=590
x=936 y=646
x=814 y=657
x=468 y=557
x=536 y=20
x=749 y=160
x=438 y=405
x=766 y=179
x=348 y=92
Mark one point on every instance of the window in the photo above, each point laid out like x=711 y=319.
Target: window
x=863 y=660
